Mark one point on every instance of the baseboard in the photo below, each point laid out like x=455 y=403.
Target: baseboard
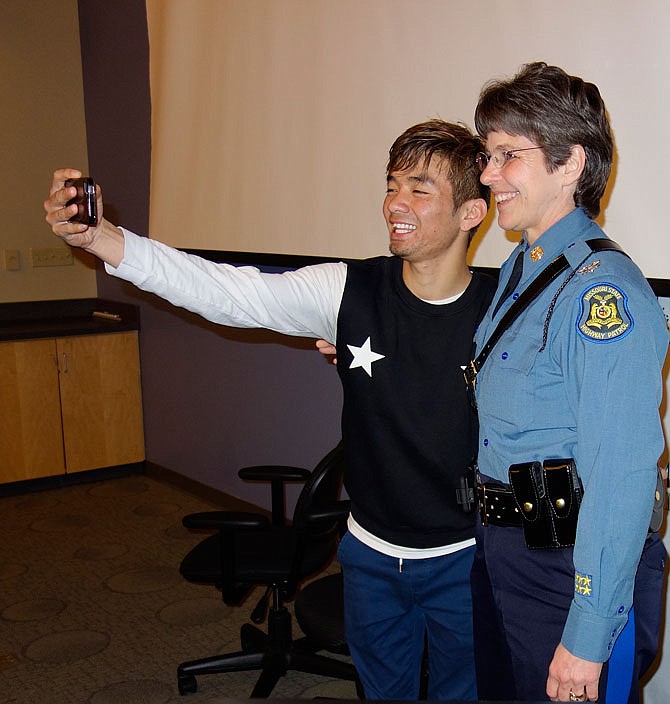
x=59 y=481
x=216 y=497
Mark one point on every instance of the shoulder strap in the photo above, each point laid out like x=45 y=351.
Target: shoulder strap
x=559 y=265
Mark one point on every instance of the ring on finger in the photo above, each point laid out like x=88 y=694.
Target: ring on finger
x=578 y=697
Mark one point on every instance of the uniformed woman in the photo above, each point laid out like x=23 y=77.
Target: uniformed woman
x=568 y=398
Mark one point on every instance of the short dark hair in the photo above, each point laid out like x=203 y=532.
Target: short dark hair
x=557 y=111
x=454 y=145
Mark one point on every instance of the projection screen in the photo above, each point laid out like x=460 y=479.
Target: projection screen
x=272 y=118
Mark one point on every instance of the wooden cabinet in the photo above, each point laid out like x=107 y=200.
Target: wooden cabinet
x=31 y=437
x=69 y=404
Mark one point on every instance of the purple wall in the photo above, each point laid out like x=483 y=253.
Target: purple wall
x=215 y=398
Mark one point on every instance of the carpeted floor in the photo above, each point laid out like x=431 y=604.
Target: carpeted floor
x=93 y=608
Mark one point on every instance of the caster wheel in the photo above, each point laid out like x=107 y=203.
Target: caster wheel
x=187 y=684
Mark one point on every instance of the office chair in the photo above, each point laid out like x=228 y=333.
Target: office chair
x=247 y=550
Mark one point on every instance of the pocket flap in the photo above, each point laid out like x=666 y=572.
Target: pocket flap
x=562 y=486
x=527 y=491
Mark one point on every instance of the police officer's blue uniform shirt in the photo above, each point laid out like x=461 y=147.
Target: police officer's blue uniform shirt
x=582 y=379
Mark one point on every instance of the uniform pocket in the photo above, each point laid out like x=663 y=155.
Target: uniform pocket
x=518 y=352
x=505 y=389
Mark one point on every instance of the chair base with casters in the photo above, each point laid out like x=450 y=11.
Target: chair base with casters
x=275 y=653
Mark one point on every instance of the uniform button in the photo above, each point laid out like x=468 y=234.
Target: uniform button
x=515 y=296
x=504 y=355
x=621 y=609
x=486 y=442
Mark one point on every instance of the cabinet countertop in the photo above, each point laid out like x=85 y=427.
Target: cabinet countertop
x=81 y=316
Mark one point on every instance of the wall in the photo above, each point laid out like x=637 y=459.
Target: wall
x=217 y=399
x=42 y=117
x=214 y=399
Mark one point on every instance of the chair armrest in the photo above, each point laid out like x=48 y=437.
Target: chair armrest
x=218 y=520
x=337 y=510
x=271 y=472
x=277 y=475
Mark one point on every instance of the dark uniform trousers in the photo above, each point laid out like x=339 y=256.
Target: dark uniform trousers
x=521 y=599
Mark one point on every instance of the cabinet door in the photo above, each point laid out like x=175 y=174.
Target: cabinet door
x=31 y=439
x=101 y=400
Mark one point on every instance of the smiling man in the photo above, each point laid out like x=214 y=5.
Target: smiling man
x=404 y=328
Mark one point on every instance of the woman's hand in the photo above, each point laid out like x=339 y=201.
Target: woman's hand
x=327 y=349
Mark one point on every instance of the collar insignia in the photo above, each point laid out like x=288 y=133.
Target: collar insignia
x=536 y=253
x=589 y=268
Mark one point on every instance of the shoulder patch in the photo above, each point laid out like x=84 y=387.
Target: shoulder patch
x=604 y=314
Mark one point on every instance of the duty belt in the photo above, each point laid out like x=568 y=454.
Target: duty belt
x=497 y=506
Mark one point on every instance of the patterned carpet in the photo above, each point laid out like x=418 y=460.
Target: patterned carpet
x=93 y=608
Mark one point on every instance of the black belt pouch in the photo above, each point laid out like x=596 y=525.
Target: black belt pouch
x=548 y=496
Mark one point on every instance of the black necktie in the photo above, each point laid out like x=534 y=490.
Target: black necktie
x=512 y=282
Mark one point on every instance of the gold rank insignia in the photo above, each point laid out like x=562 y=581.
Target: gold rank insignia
x=583 y=584
x=536 y=253
x=604 y=314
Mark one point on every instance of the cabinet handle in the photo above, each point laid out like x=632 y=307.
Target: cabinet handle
x=64 y=367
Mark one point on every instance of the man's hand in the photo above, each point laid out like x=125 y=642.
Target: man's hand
x=568 y=673
x=58 y=212
x=327 y=349
x=105 y=240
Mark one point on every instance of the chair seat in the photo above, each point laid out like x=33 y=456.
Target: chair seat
x=262 y=556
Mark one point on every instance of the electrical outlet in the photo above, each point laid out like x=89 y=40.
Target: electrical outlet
x=51 y=256
x=12 y=259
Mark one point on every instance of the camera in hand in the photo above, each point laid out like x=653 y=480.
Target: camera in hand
x=85 y=201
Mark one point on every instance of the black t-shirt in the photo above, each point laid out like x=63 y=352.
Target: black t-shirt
x=407 y=424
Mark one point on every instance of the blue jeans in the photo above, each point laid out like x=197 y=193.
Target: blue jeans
x=389 y=612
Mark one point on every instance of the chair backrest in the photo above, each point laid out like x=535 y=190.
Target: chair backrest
x=316 y=540
x=323 y=487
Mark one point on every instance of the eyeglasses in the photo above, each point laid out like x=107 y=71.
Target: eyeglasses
x=499 y=158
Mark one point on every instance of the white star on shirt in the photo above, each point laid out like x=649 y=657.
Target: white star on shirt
x=364 y=357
